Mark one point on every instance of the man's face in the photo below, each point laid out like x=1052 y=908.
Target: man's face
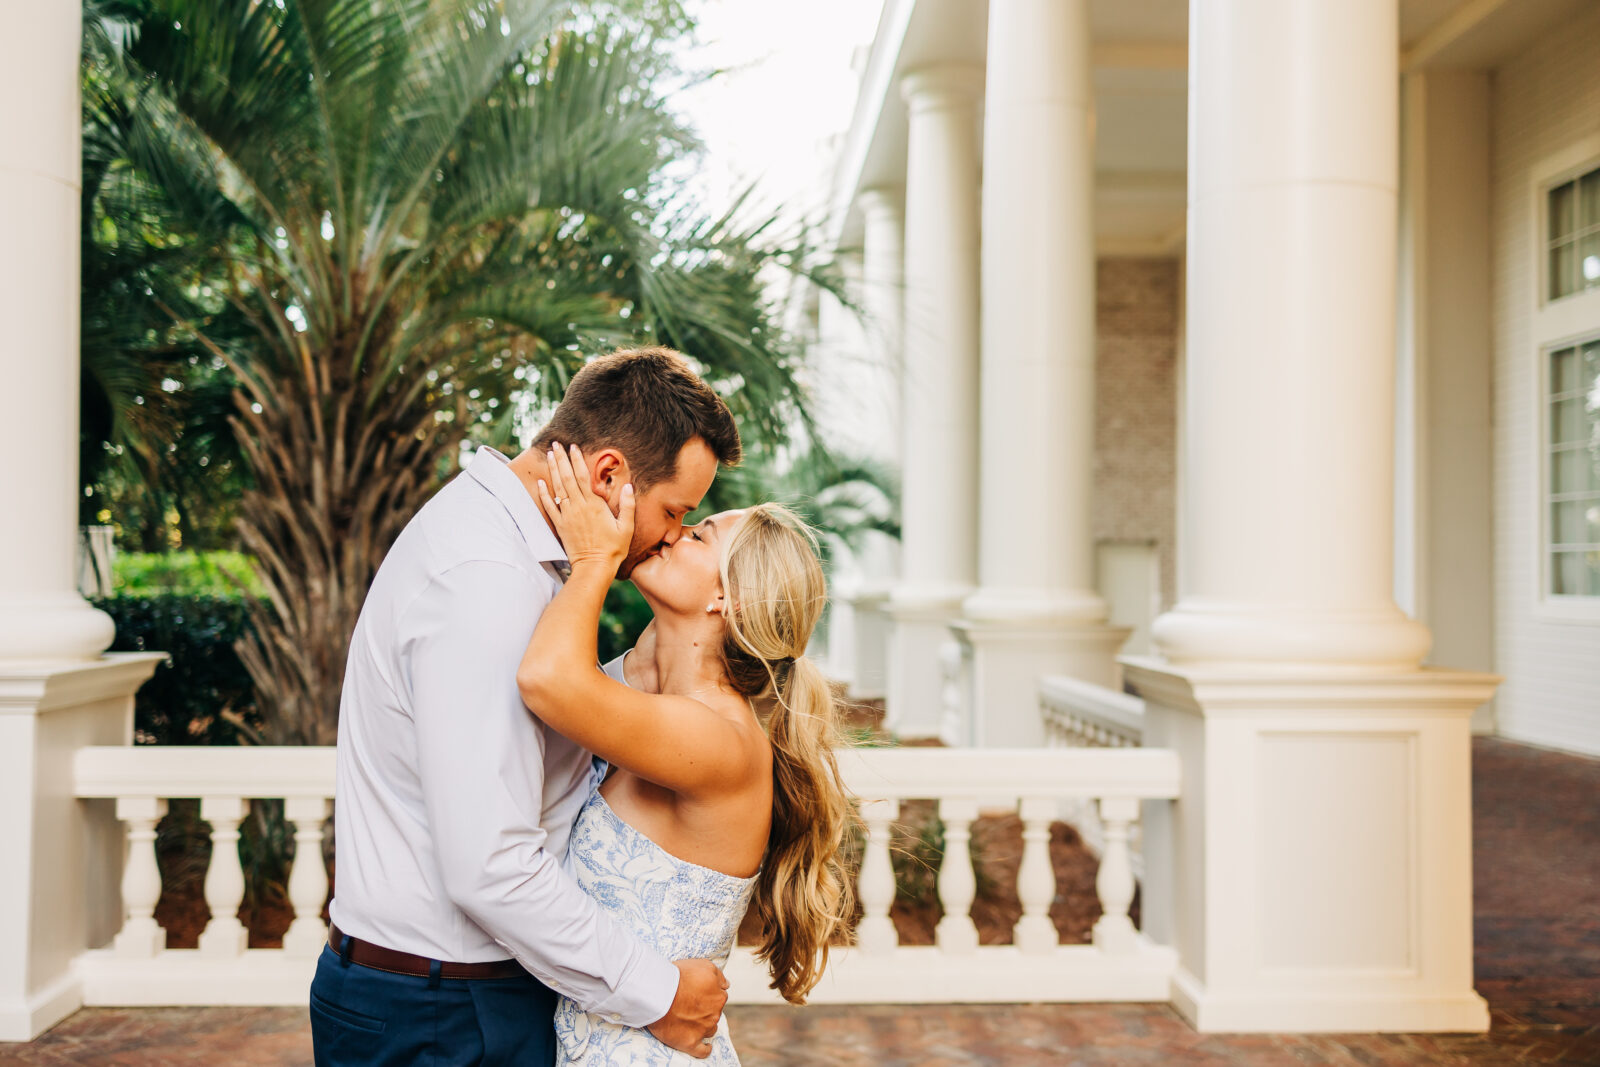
x=658 y=514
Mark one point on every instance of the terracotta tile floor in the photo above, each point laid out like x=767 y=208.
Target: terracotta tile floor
x=1537 y=840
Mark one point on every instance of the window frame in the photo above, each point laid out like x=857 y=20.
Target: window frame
x=1555 y=323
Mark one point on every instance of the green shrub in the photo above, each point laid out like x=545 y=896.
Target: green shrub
x=184 y=701
x=217 y=574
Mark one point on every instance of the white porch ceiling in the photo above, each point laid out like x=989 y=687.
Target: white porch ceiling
x=1141 y=76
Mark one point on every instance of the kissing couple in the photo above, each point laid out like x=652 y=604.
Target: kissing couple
x=540 y=860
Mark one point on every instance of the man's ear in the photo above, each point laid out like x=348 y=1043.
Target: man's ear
x=608 y=473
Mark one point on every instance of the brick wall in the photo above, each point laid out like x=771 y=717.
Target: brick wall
x=1136 y=318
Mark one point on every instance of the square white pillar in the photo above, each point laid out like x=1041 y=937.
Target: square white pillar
x=869 y=678
x=60 y=883
x=918 y=638
x=1320 y=857
x=1005 y=661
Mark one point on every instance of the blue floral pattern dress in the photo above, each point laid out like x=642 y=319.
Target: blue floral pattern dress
x=682 y=910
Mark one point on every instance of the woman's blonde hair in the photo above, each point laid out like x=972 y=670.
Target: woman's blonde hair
x=775 y=591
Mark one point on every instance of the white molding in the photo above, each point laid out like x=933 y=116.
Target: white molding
x=993 y=974
x=167 y=771
x=29 y=688
x=34 y=1015
x=1298 y=1013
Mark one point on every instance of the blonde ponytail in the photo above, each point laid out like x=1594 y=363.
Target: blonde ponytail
x=776 y=592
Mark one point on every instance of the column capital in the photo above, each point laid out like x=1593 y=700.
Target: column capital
x=942 y=86
x=882 y=202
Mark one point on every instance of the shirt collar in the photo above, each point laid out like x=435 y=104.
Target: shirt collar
x=494 y=473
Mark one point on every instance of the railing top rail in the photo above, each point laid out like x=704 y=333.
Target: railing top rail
x=166 y=771
x=1006 y=774
x=1120 y=711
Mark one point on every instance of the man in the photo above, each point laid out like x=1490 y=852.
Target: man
x=454 y=926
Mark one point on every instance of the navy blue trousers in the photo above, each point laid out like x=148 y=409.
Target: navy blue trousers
x=361 y=1017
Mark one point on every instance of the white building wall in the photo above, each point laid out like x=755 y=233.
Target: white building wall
x=1545 y=101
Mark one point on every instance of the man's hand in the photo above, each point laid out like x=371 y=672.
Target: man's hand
x=639 y=669
x=692 y=1020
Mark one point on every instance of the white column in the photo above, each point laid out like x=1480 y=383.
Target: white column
x=1319 y=861
x=883 y=301
x=61 y=882
x=42 y=617
x=1037 y=611
x=1289 y=438
x=883 y=298
x=939 y=411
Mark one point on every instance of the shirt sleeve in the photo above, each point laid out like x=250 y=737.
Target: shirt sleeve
x=614 y=669
x=481 y=775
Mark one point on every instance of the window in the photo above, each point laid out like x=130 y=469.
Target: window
x=1573 y=241
x=1573 y=448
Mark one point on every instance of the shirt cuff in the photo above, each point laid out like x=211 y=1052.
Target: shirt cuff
x=647 y=995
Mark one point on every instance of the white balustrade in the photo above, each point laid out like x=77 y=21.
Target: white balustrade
x=875 y=885
x=140 y=936
x=1038 y=784
x=308 y=878
x=1081 y=714
x=958 y=884
x=1114 y=931
x=1036 y=881
x=224 y=935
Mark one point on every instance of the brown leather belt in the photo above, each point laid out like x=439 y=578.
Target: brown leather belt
x=387 y=959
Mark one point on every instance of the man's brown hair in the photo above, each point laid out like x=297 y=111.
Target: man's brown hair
x=646 y=403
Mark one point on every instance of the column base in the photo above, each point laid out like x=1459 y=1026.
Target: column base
x=32 y=1015
x=1302 y=1013
x=60 y=628
x=1316 y=873
x=1215 y=633
x=60 y=886
x=1006 y=659
x=919 y=631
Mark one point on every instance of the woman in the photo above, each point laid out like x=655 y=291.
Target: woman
x=709 y=805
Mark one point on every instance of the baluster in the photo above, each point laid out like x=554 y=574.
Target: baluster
x=224 y=935
x=956 y=932
x=876 y=935
x=1036 y=880
x=1114 y=931
x=308 y=878
x=141 y=936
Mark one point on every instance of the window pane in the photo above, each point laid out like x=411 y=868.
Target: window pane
x=1575 y=573
x=1575 y=470
x=1589 y=199
x=1563 y=269
x=1589 y=260
x=1564 y=376
x=1563 y=202
x=1567 y=423
x=1575 y=522
x=1591 y=365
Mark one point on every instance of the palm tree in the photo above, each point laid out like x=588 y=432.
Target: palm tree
x=425 y=210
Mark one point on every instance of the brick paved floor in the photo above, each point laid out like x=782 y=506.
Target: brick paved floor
x=1537 y=860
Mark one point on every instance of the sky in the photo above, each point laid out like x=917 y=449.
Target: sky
x=789 y=86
